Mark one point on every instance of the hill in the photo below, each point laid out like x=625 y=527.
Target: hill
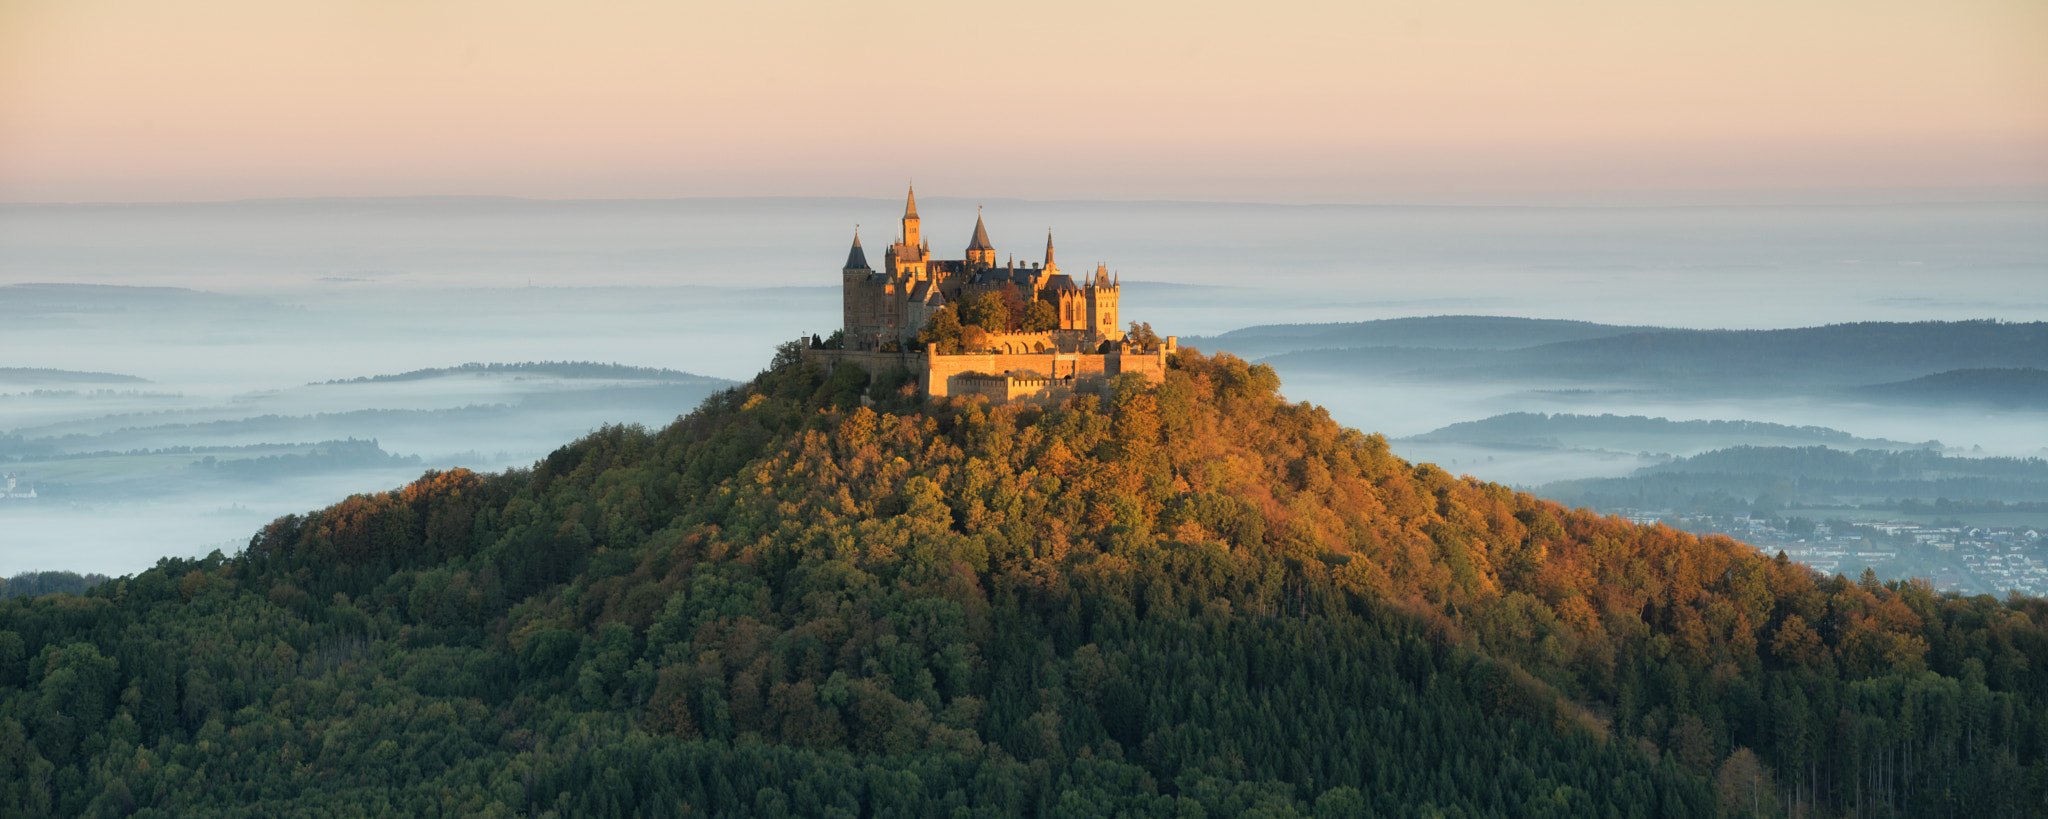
x=1640 y=433
x=2023 y=388
x=558 y=369
x=1194 y=599
x=1432 y=332
x=1738 y=477
x=1807 y=359
x=37 y=375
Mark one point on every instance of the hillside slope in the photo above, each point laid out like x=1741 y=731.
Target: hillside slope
x=1194 y=599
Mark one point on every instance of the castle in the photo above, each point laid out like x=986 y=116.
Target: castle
x=1073 y=342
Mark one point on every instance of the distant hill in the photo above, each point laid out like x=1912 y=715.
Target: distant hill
x=1640 y=433
x=1436 y=332
x=1813 y=475
x=2003 y=387
x=41 y=298
x=1810 y=359
x=558 y=369
x=35 y=375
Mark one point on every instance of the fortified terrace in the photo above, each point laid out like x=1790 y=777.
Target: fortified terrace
x=973 y=326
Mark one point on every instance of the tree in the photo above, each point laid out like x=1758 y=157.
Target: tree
x=941 y=332
x=973 y=339
x=1744 y=784
x=986 y=311
x=1014 y=309
x=1041 y=317
x=1141 y=335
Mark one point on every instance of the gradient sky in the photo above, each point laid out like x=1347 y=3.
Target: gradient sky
x=1355 y=101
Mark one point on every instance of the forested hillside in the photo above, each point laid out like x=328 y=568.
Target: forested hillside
x=1193 y=599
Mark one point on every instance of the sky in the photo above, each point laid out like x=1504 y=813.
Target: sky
x=1351 y=101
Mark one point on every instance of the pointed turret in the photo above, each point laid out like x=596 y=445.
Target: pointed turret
x=980 y=250
x=856 y=259
x=1048 y=249
x=910 y=221
x=980 y=241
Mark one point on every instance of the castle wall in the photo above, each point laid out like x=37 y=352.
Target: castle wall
x=1000 y=390
x=944 y=373
x=1034 y=376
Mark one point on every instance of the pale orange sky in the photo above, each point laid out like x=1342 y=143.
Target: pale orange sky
x=153 y=100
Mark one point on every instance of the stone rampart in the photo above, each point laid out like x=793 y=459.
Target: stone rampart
x=997 y=375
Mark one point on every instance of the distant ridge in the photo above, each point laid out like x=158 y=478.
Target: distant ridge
x=2005 y=387
x=1436 y=332
x=1537 y=429
x=559 y=369
x=37 y=375
x=1811 y=359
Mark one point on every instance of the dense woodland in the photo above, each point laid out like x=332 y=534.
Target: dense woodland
x=40 y=583
x=1189 y=599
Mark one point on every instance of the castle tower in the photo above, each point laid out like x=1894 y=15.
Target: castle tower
x=910 y=220
x=979 y=252
x=1102 y=299
x=858 y=313
x=856 y=259
x=1050 y=268
x=907 y=258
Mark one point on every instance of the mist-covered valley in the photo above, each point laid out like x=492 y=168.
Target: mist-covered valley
x=316 y=348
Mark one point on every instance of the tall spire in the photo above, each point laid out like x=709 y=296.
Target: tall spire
x=910 y=220
x=1048 y=247
x=856 y=259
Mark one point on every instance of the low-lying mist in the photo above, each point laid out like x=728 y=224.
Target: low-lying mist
x=228 y=320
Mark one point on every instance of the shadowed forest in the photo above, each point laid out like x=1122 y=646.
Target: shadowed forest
x=1194 y=599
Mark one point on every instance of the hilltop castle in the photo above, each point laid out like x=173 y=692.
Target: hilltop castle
x=885 y=312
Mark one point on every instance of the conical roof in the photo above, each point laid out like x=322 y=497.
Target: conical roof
x=855 y=259
x=980 y=236
x=910 y=207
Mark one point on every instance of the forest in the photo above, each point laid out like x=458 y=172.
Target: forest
x=1185 y=599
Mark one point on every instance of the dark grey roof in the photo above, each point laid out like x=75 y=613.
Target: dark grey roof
x=980 y=236
x=1003 y=275
x=921 y=292
x=1061 y=282
x=855 y=259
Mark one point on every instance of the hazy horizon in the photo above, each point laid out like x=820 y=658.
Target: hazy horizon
x=231 y=310
x=277 y=194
